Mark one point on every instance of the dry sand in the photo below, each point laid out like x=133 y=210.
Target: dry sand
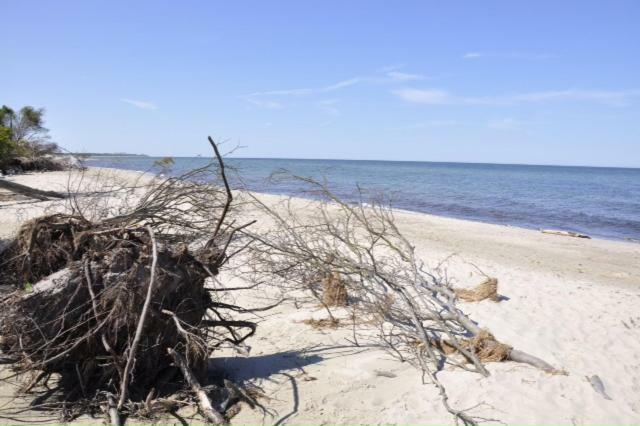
x=573 y=302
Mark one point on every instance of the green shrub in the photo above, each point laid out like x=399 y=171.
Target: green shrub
x=7 y=146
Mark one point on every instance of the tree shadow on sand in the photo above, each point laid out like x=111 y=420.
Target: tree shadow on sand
x=289 y=364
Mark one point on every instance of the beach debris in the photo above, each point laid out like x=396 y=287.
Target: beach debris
x=387 y=374
x=525 y=358
x=488 y=289
x=565 y=233
x=598 y=386
x=115 y=308
x=400 y=304
x=319 y=324
x=334 y=290
x=307 y=378
x=484 y=345
x=204 y=403
x=28 y=191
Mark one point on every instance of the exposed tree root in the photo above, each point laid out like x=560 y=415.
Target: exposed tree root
x=99 y=303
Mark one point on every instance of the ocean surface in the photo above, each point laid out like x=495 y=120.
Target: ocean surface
x=601 y=202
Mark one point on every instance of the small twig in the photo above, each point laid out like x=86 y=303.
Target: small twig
x=226 y=187
x=179 y=327
x=81 y=381
x=94 y=304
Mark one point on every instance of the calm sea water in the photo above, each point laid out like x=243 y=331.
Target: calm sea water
x=602 y=202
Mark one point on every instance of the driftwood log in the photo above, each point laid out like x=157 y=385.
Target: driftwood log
x=28 y=191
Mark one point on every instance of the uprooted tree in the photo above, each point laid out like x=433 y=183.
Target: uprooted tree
x=117 y=307
x=414 y=310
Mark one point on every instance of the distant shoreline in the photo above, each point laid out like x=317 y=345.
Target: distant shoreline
x=106 y=154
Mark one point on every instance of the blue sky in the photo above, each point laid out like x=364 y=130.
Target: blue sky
x=538 y=82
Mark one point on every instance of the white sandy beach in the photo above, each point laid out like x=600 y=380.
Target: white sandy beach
x=573 y=302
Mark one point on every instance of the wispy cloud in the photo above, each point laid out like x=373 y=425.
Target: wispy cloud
x=531 y=56
x=388 y=75
x=392 y=67
x=272 y=99
x=140 y=104
x=266 y=104
x=472 y=55
x=504 y=124
x=403 y=76
x=442 y=97
x=431 y=96
x=329 y=107
x=436 y=123
x=309 y=90
x=608 y=97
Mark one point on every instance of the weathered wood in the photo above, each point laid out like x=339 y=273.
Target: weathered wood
x=523 y=357
x=112 y=410
x=29 y=191
x=204 y=403
x=565 y=233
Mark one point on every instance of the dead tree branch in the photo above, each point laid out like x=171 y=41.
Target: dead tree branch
x=204 y=403
x=413 y=308
x=143 y=316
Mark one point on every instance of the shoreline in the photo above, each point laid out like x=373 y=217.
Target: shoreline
x=510 y=246
x=570 y=301
x=124 y=172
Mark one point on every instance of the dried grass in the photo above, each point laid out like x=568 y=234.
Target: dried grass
x=484 y=345
x=488 y=289
x=334 y=291
x=323 y=323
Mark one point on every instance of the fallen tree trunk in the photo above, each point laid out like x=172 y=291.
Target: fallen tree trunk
x=29 y=191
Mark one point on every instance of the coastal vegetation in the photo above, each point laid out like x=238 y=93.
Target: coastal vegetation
x=24 y=141
x=25 y=146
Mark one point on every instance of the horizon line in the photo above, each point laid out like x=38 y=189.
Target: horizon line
x=432 y=161
x=371 y=160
